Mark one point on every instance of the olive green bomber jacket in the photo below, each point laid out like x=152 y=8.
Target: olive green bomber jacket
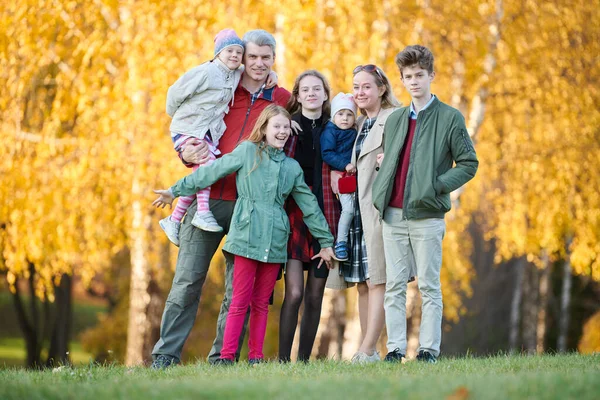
x=440 y=140
x=260 y=226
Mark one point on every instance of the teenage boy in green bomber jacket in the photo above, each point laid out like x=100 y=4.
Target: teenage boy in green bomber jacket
x=428 y=154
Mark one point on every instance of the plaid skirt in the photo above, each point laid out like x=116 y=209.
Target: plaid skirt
x=356 y=269
x=301 y=245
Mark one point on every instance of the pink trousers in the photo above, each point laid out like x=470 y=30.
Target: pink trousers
x=253 y=283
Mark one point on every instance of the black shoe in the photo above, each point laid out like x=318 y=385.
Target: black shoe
x=223 y=361
x=254 y=361
x=162 y=362
x=427 y=357
x=394 y=356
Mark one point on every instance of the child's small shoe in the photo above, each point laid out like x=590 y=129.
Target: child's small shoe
x=171 y=228
x=206 y=221
x=341 y=251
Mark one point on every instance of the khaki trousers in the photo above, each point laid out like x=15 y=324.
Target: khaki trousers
x=418 y=242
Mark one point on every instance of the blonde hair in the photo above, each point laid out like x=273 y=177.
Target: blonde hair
x=388 y=100
x=259 y=131
x=293 y=106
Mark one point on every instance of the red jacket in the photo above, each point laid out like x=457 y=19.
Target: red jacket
x=239 y=121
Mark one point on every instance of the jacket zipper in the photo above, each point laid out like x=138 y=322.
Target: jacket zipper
x=411 y=164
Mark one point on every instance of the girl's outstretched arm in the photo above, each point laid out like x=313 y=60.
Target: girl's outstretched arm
x=206 y=175
x=312 y=214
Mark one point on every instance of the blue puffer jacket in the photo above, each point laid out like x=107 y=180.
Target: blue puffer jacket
x=337 y=145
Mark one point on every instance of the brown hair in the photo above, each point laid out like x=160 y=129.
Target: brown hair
x=260 y=129
x=293 y=106
x=415 y=55
x=388 y=100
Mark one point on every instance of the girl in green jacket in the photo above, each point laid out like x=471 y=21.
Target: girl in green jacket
x=259 y=228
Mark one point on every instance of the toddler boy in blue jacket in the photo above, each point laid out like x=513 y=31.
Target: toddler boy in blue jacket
x=337 y=142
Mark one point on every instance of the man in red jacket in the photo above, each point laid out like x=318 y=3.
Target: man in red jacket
x=197 y=247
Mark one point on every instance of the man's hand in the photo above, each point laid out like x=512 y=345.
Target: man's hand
x=195 y=152
x=326 y=255
x=379 y=159
x=165 y=197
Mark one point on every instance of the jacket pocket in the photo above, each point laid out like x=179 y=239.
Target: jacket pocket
x=444 y=202
x=243 y=220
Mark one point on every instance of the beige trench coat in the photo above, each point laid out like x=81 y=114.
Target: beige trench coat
x=366 y=164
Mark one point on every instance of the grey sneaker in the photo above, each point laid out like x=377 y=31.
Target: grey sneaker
x=171 y=228
x=363 y=358
x=206 y=221
x=162 y=362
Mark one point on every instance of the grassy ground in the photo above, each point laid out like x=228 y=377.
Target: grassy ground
x=504 y=377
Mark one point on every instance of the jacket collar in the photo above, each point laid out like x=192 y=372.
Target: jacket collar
x=431 y=102
x=222 y=67
x=265 y=94
x=331 y=125
x=275 y=154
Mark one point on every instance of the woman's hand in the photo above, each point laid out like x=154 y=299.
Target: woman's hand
x=335 y=177
x=326 y=255
x=379 y=159
x=296 y=128
x=195 y=152
x=165 y=197
x=271 y=80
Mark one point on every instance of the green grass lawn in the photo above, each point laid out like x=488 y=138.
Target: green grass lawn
x=503 y=377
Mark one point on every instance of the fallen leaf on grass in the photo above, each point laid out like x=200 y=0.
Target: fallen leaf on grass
x=461 y=393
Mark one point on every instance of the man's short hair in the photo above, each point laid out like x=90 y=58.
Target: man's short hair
x=260 y=37
x=415 y=55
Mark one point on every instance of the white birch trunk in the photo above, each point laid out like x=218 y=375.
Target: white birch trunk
x=139 y=325
x=139 y=297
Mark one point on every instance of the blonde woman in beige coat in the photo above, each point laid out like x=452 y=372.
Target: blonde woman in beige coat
x=373 y=95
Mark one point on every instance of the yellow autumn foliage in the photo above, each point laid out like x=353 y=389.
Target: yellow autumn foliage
x=84 y=135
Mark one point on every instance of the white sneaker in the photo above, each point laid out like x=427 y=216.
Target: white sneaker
x=207 y=222
x=171 y=228
x=363 y=358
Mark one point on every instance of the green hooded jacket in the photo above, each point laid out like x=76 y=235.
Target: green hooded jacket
x=260 y=226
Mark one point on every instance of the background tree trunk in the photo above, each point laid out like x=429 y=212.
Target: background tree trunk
x=413 y=316
x=63 y=322
x=140 y=288
x=330 y=340
x=29 y=329
x=543 y=304
x=515 y=308
x=565 y=301
x=530 y=308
